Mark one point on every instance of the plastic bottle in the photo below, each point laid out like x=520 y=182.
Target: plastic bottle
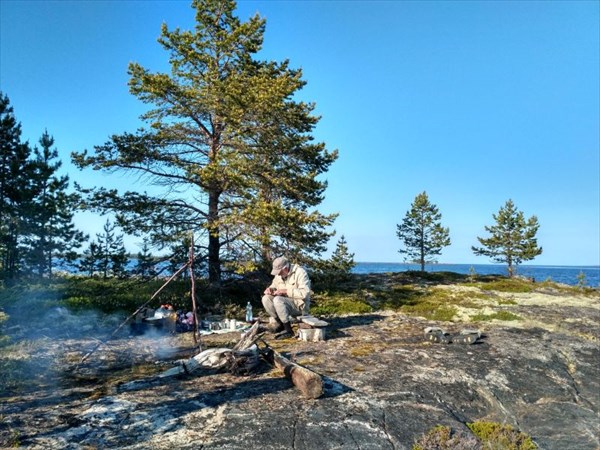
x=249 y=312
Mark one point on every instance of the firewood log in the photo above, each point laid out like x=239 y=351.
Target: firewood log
x=308 y=382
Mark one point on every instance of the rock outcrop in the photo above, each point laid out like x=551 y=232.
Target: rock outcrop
x=385 y=386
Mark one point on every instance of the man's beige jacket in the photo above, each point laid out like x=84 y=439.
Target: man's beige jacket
x=297 y=285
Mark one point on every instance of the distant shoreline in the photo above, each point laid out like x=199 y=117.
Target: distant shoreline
x=571 y=275
x=582 y=266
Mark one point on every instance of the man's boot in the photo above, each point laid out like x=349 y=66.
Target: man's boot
x=287 y=332
x=276 y=327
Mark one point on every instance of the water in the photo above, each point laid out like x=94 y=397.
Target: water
x=559 y=274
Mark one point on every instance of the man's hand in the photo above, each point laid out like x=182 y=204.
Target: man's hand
x=273 y=291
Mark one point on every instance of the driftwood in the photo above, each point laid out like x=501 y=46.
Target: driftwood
x=308 y=382
x=244 y=357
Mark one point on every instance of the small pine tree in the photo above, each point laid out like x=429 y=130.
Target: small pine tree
x=342 y=261
x=91 y=259
x=512 y=239
x=581 y=280
x=113 y=256
x=145 y=266
x=421 y=231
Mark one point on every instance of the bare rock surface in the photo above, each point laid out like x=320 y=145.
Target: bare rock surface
x=385 y=386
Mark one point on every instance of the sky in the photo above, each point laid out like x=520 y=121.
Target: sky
x=473 y=102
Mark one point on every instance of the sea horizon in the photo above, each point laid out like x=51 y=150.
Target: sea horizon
x=588 y=275
x=479 y=264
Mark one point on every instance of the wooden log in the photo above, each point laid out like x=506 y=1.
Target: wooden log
x=249 y=338
x=308 y=382
x=212 y=358
x=241 y=359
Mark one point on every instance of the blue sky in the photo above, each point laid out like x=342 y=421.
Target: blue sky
x=474 y=102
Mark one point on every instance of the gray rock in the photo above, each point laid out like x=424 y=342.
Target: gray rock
x=385 y=386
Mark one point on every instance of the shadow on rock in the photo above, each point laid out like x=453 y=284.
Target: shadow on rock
x=338 y=323
x=333 y=388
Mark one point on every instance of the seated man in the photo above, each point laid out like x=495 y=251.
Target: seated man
x=288 y=296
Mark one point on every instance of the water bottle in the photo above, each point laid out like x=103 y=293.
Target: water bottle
x=249 y=312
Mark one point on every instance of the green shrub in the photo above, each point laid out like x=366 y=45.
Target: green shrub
x=501 y=437
x=486 y=436
x=431 y=311
x=500 y=315
x=513 y=285
x=326 y=304
x=444 y=438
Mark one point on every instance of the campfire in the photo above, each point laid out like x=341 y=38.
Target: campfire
x=243 y=359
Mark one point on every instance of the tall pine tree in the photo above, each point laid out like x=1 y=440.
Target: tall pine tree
x=15 y=192
x=50 y=233
x=228 y=143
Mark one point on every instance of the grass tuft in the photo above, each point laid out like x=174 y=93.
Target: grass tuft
x=505 y=316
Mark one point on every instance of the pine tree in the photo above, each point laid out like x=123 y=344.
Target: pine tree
x=113 y=256
x=421 y=231
x=342 y=261
x=512 y=239
x=226 y=131
x=145 y=266
x=91 y=260
x=15 y=191
x=50 y=232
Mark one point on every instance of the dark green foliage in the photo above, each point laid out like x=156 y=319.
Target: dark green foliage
x=421 y=231
x=106 y=256
x=15 y=191
x=146 y=264
x=112 y=251
x=336 y=270
x=342 y=261
x=36 y=212
x=512 y=239
x=227 y=145
x=48 y=223
x=89 y=262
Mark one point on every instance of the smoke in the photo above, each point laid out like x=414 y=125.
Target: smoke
x=44 y=344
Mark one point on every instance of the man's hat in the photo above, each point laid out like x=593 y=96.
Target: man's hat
x=279 y=264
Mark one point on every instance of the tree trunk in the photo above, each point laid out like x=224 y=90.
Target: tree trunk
x=214 y=244
x=308 y=382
